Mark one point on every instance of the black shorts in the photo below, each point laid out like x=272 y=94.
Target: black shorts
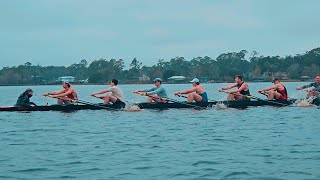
x=119 y=103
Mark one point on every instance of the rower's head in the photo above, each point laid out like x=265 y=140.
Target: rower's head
x=276 y=81
x=66 y=85
x=114 y=82
x=195 y=81
x=29 y=92
x=318 y=78
x=238 y=79
x=157 y=81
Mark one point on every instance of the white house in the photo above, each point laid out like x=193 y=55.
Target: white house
x=144 y=78
x=177 y=79
x=66 y=79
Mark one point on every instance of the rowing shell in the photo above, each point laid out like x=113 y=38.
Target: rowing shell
x=157 y=105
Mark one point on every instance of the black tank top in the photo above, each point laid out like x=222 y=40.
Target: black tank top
x=243 y=92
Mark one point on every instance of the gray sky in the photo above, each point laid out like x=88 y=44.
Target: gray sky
x=62 y=32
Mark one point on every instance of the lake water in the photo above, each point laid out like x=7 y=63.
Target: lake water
x=255 y=143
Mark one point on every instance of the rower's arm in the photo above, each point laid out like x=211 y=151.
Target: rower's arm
x=188 y=91
x=270 y=88
x=229 y=87
x=305 y=86
x=102 y=91
x=242 y=87
x=70 y=91
x=155 y=91
x=149 y=90
x=55 y=92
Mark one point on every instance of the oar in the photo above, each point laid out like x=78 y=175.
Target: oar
x=171 y=100
x=226 y=92
x=88 y=103
x=98 y=97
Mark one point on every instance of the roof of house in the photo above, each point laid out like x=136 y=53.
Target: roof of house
x=63 y=77
x=176 y=77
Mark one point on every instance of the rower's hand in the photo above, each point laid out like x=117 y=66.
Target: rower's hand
x=93 y=95
x=45 y=94
x=299 y=88
x=308 y=90
x=220 y=90
x=136 y=92
x=261 y=92
x=32 y=105
x=177 y=94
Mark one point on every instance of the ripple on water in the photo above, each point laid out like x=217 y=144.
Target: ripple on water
x=199 y=163
x=31 y=170
x=236 y=175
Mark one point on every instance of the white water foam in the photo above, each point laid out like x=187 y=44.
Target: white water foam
x=132 y=108
x=219 y=106
x=304 y=102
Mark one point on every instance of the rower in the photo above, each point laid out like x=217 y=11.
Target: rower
x=241 y=93
x=315 y=92
x=197 y=93
x=116 y=96
x=65 y=96
x=157 y=94
x=24 y=99
x=278 y=91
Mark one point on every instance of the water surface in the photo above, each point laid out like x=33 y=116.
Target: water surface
x=255 y=143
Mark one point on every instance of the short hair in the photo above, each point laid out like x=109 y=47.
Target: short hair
x=317 y=75
x=115 y=82
x=240 y=77
x=67 y=84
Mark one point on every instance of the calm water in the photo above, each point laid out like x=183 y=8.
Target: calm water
x=256 y=143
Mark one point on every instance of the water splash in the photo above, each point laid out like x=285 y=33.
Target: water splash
x=220 y=106
x=304 y=102
x=132 y=108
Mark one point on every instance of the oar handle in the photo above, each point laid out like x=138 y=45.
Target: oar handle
x=61 y=98
x=265 y=93
x=140 y=93
x=98 y=97
x=180 y=95
x=145 y=94
x=226 y=92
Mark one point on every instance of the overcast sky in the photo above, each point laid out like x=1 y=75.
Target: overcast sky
x=62 y=32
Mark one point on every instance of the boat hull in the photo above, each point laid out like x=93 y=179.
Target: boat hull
x=230 y=104
x=169 y=105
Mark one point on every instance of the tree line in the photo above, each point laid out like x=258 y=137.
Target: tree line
x=223 y=68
